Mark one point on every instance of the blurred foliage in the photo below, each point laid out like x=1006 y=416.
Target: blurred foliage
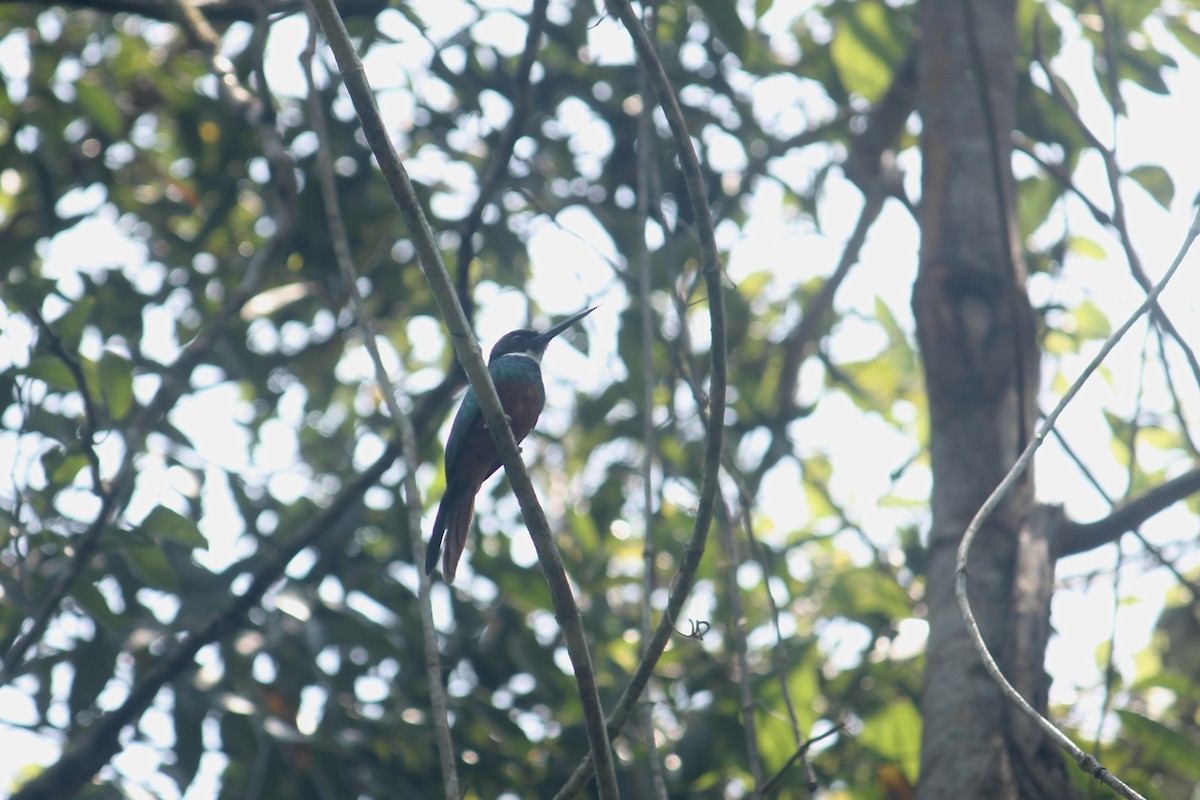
x=112 y=136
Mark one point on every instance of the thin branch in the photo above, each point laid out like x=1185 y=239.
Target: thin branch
x=469 y=355
x=1110 y=663
x=870 y=167
x=1080 y=537
x=1057 y=172
x=1154 y=552
x=1173 y=393
x=801 y=753
x=90 y=420
x=759 y=554
x=1119 y=220
x=403 y=425
x=737 y=628
x=1085 y=761
x=522 y=101
x=693 y=553
x=813 y=317
x=646 y=173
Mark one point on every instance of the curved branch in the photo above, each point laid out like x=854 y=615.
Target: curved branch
x=1086 y=761
x=693 y=553
x=1079 y=537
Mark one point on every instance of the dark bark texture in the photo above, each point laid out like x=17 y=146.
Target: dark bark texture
x=977 y=337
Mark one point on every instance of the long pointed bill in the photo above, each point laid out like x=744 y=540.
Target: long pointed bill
x=545 y=337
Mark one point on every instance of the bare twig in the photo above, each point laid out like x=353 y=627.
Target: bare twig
x=1057 y=172
x=801 y=752
x=1176 y=405
x=1085 y=761
x=1063 y=536
x=469 y=355
x=401 y=422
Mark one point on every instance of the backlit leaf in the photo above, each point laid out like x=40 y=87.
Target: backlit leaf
x=164 y=524
x=1155 y=180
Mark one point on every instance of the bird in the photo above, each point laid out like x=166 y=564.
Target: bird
x=471 y=455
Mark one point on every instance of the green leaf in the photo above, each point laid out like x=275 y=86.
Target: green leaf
x=862 y=592
x=726 y=24
x=69 y=327
x=1035 y=197
x=53 y=371
x=97 y=103
x=149 y=562
x=94 y=662
x=1171 y=746
x=1155 y=180
x=163 y=524
x=91 y=600
x=894 y=734
x=116 y=383
x=1090 y=322
x=1082 y=246
x=866 y=48
x=66 y=468
x=1184 y=34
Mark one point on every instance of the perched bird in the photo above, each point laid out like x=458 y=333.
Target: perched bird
x=471 y=455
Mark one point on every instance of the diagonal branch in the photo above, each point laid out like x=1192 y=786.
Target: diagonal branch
x=1079 y=537
x=1155 y=553
x=469 y=355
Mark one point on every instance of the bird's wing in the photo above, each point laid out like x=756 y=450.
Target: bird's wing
x=468 y=413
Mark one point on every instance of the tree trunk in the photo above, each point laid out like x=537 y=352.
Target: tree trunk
x=977 y=337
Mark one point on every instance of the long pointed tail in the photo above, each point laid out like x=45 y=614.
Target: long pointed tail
x=454 y=521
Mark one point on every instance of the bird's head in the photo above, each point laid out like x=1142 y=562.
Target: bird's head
x=531 y=343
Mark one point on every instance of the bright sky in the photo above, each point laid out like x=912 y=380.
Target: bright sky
x=571 y=270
